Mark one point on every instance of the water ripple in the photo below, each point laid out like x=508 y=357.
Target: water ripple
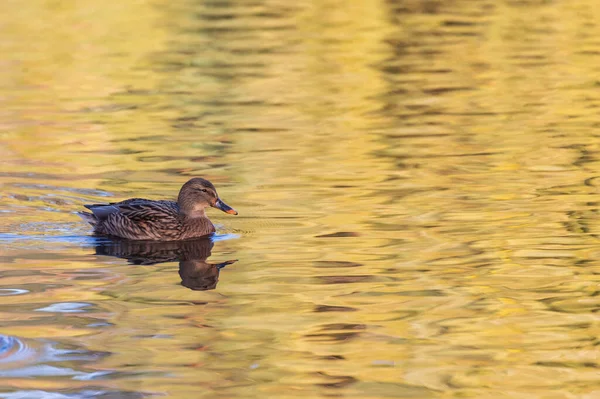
x=65 y=307
x=22 y=359
x=12 y=291
x=14 y=350
x=85 y=394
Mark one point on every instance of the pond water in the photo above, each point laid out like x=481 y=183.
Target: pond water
x=417 y=183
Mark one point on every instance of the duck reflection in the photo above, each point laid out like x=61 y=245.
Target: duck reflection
x=195 y=272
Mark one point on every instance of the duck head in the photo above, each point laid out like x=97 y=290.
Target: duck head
x=198 y=194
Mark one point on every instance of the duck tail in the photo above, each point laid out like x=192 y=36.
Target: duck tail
x=88 y=217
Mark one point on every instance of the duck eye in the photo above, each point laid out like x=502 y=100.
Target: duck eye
x=204 y=190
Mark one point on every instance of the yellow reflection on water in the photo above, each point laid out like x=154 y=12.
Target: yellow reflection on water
x=416 y=183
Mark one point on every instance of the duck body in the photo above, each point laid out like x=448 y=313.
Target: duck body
x=142 y=219
x=160 y=220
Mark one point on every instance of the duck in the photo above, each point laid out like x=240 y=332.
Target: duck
x=159 y=220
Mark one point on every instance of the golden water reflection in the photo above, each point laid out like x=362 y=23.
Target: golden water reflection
x=416 y=182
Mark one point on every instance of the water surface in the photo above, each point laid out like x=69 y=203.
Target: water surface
x=417 y=184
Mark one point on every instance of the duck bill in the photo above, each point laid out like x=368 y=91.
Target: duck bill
x=224 y=207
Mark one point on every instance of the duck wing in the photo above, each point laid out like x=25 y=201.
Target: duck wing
x=135 y=209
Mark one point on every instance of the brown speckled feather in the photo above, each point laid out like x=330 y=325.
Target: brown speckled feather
x=143 y=219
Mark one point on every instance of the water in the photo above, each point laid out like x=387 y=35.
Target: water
x=417 y=184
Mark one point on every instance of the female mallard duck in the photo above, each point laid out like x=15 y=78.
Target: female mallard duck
x=142 y=219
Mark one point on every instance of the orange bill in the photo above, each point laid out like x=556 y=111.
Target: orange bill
x=224 y=207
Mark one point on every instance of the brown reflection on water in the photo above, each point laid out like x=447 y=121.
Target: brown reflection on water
x=195 y=272
x=416 y=182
